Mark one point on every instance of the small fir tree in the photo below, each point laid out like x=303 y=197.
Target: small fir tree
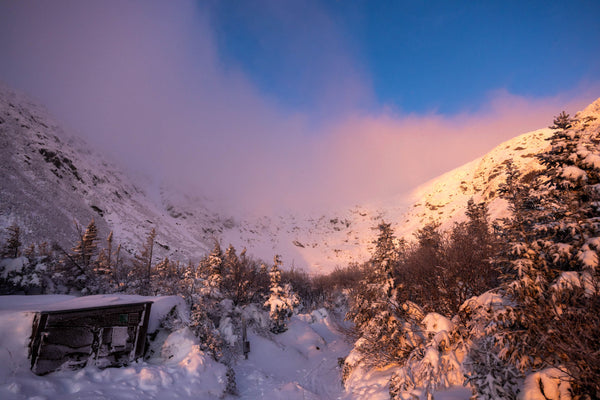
x=212 y=271
x=87 y=246
x=282 y=300
x=562 y=121
x=13 y=243
x=141 y=274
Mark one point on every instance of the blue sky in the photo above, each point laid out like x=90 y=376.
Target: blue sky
x=301 y=103
x=416 y=55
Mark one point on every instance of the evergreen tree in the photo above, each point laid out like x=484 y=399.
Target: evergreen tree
x=87 y=246
x=282 y=300
x=386 y=326
x=241 y=280
x=212 y=271
x=490 y=377
x=377 y=287
x=189 y=284
x=76 y=269
x=13 y=243
x=141 y=274
x=105 y=266
x=554 y=253
x=165 y=281
x=203 y=327
x=231 y=274
x=103 y=269
x=562 y=121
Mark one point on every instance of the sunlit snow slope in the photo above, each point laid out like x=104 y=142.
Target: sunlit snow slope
x=49 y=178
x=323 y=242
x=326 y=241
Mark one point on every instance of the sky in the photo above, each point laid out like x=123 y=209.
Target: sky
x=269 y=104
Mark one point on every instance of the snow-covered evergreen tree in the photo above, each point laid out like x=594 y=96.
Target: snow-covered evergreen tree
x=105 y=258
x=490 y=377
x=104 y=271
x=165 y=279
x=376 y=292
x=554 y=240
x=389 y=330
x=435 y=360
x=282 y=301
x=204 y=328
x=189 y=284
x=212 y=271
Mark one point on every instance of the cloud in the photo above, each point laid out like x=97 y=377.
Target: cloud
x=382 y=155
x=145 y=81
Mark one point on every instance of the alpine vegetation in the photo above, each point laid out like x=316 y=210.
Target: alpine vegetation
x=508 y=307
x=500 y=299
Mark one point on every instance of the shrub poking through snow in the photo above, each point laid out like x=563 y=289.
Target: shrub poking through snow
x=490 y=377
x=436 y=363
x=203 y=327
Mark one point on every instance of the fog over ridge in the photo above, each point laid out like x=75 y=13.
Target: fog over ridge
x=145 y=82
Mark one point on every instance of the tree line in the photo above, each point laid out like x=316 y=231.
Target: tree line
x=517 y=297
x=484 y=303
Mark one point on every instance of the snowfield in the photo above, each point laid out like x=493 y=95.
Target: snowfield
x=301 y=363
x=180 y=371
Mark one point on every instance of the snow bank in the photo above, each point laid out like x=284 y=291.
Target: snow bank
x=301 y=363
x=369 y=383
x=548 y=384
x=9 y=265
x=436 y=323
x=181 y=370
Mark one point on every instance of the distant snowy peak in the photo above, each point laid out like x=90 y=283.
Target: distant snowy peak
x=592 y=110
x=324 y=242
x=335 y=239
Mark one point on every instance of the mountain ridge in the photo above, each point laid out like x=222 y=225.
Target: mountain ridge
x=51 y=178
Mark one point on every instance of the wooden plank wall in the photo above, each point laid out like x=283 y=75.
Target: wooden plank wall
x=105 y=336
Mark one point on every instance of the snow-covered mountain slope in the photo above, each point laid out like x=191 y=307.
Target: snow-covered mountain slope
x=336 y=239
x=325 y=241
x=50 y=178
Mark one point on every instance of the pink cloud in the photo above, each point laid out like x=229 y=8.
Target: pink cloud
x=368 y=157
x=144 y=82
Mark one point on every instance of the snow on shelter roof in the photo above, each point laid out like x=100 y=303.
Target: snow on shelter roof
x=161 y=305
x=49 y=303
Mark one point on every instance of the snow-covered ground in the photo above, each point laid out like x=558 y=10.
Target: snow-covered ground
x=301 y=363
x=180 y=371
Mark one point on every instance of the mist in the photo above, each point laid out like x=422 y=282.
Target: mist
x=145 y=82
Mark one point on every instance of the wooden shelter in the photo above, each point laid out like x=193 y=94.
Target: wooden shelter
x=105 y=335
